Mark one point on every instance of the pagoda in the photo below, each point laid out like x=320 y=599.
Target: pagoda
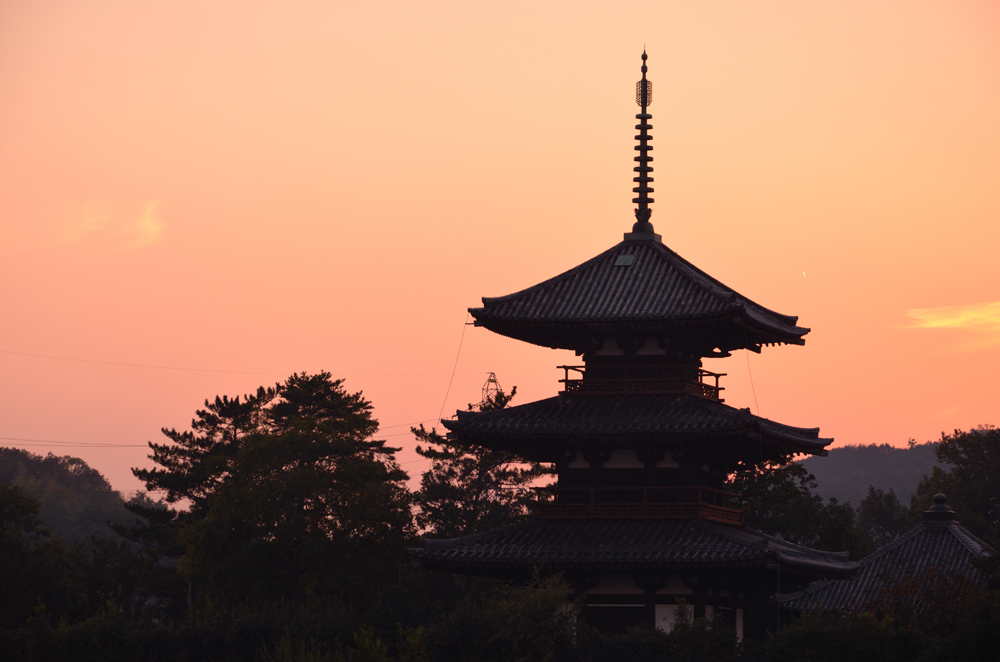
x=640 y=438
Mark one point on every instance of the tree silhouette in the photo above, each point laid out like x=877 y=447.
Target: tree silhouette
x=469 y=488
x=288 y=493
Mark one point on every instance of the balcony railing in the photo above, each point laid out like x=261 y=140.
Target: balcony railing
x=643 y=503
x=642 y=379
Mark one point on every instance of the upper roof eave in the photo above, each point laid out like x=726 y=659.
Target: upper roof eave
x=659 y=288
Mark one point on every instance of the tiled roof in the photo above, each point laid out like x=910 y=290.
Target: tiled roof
x=587 y=416
x=944 y=546
x=656 y=290
x=625 y=545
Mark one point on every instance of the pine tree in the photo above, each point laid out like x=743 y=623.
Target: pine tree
x=288 y=494
x=469 y=488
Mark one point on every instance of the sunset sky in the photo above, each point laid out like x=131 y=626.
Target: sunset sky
x=197 y=198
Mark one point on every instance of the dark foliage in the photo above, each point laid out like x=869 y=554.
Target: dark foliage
x=286 y=526
x=779 y=500
x=929 y=601
x=882 y=518
x=971 y=481
x=288 y=494
x=469 y=489
x=22 y=544
x=77 y=502
x=690 y=641
x=46 y=581
x=538 y=622
x=977 y=636
x=830 y=638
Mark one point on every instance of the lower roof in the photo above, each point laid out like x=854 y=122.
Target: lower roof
x=625 y=545
x=553 y=423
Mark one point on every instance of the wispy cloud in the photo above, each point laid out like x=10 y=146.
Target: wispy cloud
x=103 y=222
x=948 y=413
x=85 y=220
x=147 y=227
x=980 y=319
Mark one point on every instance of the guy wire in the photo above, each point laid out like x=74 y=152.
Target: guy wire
x=455 y=367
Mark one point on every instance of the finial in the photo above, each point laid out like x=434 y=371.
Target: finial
x=940 y=511
x=643 y=97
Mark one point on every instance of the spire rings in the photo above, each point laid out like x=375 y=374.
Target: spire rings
x=644 y=87
x=643 y=97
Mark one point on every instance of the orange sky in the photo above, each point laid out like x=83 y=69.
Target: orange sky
x=253 y=187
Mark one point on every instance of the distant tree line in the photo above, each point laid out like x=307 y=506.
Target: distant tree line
x=282 y=529
x=848 y=471
x=77 y=502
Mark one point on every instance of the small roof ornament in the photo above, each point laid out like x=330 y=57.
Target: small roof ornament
x=643 y=97
x=940 y=511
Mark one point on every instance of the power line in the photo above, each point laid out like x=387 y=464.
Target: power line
x=96 y=444
x=423 y=459
x=137 y=365
x=225 y=372
x=77 y=444
x=426 y=420
x=83 y=444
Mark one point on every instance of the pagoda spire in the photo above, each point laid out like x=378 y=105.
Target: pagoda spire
x=643 y=97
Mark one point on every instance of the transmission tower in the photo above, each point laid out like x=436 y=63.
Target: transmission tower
x=491 y=389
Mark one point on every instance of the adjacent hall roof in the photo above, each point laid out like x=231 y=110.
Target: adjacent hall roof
x=639 y=285
x=625 y=545
x=539 y=429
x=940 y=544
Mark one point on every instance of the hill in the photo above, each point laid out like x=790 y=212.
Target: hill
x=848 y=471
x=77 y=501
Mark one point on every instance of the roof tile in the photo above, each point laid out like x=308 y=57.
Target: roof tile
x=624 y=543
x=658 y=288
x=598 y=415
x=946 y=546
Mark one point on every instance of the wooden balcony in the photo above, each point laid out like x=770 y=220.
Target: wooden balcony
x=638 y=379
x=643 y=503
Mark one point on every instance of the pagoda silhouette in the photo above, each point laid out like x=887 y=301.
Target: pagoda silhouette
x=640 y=440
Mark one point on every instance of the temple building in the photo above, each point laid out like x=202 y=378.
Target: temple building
x=938 y=550
x=640 y=438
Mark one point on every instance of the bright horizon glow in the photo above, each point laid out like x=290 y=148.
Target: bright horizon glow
x=197 y=199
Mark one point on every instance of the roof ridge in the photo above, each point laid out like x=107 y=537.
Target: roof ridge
x=779 y=426
x=968 y=539
x=767 y=539
x=696 y=276
x=555 y=279
x=791 y=319
x=811 y=588
x=442 y=542
x=885 y=549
